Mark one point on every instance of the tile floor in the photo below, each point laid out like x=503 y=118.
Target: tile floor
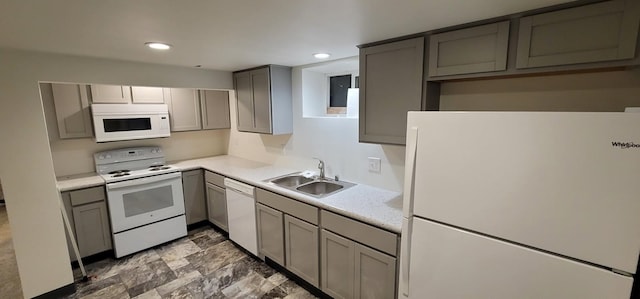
x=202 y=265
x=10 y=286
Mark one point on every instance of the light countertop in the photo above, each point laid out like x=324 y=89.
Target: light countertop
x=376 y=206
x=79 y=181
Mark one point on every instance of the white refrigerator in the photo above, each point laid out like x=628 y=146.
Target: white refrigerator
x=506 y=205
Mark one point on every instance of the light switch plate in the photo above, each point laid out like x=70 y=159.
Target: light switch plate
x=374 y=164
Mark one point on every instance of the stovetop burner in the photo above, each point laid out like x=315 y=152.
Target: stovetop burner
x=157 y=168
x=119 y=171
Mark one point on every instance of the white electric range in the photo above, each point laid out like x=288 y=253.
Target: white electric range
x=145 y=199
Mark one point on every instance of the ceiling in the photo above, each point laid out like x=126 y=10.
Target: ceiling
x=231 y=34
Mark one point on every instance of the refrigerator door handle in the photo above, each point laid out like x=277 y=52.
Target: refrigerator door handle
x=405 y=255
x=409 y=171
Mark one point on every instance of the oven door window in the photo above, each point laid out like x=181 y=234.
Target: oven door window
x=147 y=201
x=126 y=124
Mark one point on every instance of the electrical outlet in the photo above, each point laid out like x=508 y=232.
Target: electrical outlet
x=374 y=164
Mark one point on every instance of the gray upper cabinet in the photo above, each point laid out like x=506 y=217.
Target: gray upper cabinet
x=244 y=95
x=264 y=103
x=147 y=95
x=184 y=109
x=194 y=197
x=110 y=94
x=390 y=86
x=471 y=50
x=214 y=105
x=592 y=33
x=72 y=110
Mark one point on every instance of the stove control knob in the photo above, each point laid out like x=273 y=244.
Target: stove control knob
x=101 y=157
x=108 y=157
x=154 y=151
x=159 y=150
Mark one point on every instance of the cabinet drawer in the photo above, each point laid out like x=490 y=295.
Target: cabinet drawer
x=84 y=196
x=214 y=178
x=292 y=207
x=366 y=234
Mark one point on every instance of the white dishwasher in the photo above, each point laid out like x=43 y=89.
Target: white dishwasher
x=241 y=213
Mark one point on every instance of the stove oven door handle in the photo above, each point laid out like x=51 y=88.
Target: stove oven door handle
x=142 y=181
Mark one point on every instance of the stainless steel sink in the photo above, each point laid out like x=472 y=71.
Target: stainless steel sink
x=315 y=187
x=319 y=188
x=291 y=181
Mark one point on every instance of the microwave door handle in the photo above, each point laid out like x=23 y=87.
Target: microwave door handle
x=147 y=180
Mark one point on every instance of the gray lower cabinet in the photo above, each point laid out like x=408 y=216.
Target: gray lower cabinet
x=184 y=109
x=337 y=265
x=592 y=33
x=92 y=228
x=216 y=200
x=390 y=86
x=264 y=102
x=301 y=249
x=352 y=270
x=270 y=233
x=89 y=218
x=217 y=205
x=66 y=199
x=73 y=116
x=288 y=234
x=214 y=106
x=375 y=273
x=366 y=254
x=194 y=197
x=470 y=50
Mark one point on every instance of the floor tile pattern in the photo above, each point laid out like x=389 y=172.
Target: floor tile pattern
x=202 y=265
x=10 y=286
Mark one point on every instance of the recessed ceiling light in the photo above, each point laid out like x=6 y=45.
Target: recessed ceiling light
x=158 y=46
x=321 y=55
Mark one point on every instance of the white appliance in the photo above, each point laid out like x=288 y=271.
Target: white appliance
x=145 y=199
x=520 y=205
x=113 y=122
x=241 y=213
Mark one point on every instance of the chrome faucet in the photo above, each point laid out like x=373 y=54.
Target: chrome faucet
x=321 y=167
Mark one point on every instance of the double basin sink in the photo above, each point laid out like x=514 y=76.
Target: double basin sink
x=315 y=187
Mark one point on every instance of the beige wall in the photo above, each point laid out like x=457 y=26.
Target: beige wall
x=74 y=156
x=26 y=164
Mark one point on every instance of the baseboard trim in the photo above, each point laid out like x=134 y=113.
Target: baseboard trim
x=298 y=280
x=93 y=258
x=59 y=292
x=197 y=225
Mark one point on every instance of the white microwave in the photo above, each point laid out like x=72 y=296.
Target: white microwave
x=114 y=122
